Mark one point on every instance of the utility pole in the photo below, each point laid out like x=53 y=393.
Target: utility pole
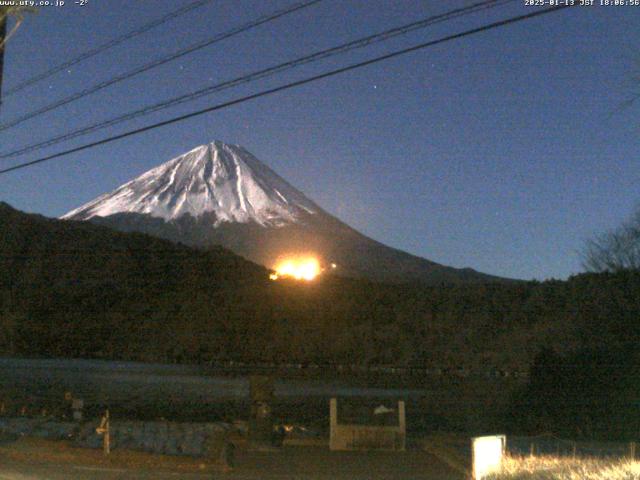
x=3 y=34
x=17 y=13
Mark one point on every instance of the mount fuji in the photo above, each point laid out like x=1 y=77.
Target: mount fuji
x=220 y=194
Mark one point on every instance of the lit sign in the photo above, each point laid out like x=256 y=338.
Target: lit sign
x=487 y=455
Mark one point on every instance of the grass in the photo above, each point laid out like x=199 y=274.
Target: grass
x=567 y=468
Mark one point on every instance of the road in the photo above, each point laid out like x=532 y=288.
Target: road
x=289 y=463
x=18 y=471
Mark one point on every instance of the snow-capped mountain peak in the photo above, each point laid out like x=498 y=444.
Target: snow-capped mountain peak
x=220 y=178
x=239 y=203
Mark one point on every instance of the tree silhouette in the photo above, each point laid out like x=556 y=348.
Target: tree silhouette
x=616 y=250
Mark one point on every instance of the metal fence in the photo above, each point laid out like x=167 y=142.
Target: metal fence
x=549 y=444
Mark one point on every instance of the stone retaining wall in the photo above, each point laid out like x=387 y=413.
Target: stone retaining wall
x=167 y=438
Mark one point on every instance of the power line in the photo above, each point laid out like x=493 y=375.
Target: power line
x=158 y=62
x=106 y=46
x=289 y=86
x=254 y=76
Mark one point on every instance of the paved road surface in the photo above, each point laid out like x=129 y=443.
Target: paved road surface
x=315 y=463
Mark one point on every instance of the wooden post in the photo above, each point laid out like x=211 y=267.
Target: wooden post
x=107 y=436
x=632 y=450
x=574 y=450
x=532 y=450
x=103 y=430
x=402 y=424
x=333 y=422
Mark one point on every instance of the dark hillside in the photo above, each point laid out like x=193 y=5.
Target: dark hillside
x=74 y=289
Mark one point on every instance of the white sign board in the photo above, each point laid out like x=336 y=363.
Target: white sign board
x=487 y=453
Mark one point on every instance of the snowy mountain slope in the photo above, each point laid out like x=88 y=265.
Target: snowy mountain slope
x=219 y=194
x=225 y=180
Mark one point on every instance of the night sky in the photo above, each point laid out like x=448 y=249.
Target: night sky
x=503 y=151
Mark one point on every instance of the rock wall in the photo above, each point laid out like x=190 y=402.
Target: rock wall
x=167 y=438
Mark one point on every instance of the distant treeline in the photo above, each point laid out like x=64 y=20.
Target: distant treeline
x=70 y=289
x=591 y=393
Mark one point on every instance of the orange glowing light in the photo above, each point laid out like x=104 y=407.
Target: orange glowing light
x=302 y=268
